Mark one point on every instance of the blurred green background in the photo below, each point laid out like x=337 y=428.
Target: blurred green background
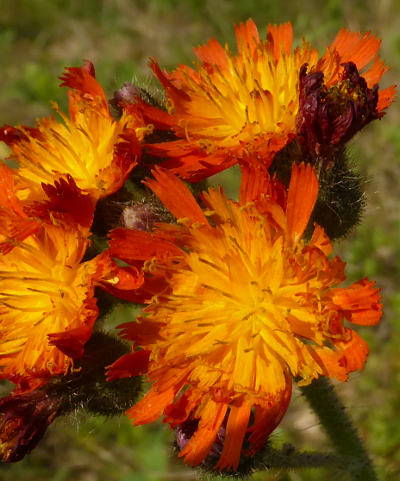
x=38 y=38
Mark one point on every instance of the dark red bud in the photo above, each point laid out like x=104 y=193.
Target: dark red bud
x=24 y=419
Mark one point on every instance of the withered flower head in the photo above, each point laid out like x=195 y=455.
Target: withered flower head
x=24 y=419
x=329 y=117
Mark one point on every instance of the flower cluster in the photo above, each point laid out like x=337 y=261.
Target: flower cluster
x=239 y=297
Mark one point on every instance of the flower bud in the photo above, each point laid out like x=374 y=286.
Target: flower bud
x=143 y=216
x=87 y=386
x=340 y=202
x=128 y=94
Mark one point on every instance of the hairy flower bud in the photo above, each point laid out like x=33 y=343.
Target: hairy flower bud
x=129 y=94
x=340 y=202
x=143 y=216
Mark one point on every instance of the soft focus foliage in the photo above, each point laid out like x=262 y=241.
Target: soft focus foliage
x=38 y=39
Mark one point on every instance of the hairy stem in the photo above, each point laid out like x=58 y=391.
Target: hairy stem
x=289 y=458
x=337 y=423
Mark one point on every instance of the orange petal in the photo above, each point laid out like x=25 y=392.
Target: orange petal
x=320 y=240
x=129 y=365
x=355 y=353
x=127 y=152
x=375 y=72
x=280 y=38
x=15 y=225
x=143 y=333
x=201 y=442
x=255 y=181
x=176 y=94
x=386 y=97
x=15 y=229
x=355 y=47
x=123 y=278
x=179 y=411
x=72 y=342
x=360 y=301
x=133 y=245
x=190 y=161
x=212 y=53
x=267 y=418
x=247 y=38
x=161 y=119
x=151 y=406
x=7 y=191
x=347 y=357
x=236 y=428
x=174 y=194
x=303 y=192
x=124 y=282
x=83 y=81
x=331 y=362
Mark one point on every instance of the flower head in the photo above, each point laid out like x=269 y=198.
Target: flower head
x=47 y=304
x=88 y=152
x=235 y=106
x=244 y=304
x=232 y=106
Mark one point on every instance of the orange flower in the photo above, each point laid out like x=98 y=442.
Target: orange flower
x=47 y=304
x=235 y=106
x=89 y=154
x=245 y=304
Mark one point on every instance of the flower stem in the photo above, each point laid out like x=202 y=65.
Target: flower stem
x=333 y=416
x=289 y=458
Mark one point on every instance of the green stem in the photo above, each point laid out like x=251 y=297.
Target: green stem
x=289 y=458
x=339 y=427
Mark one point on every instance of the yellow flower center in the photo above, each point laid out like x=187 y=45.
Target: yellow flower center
x=254 y=96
